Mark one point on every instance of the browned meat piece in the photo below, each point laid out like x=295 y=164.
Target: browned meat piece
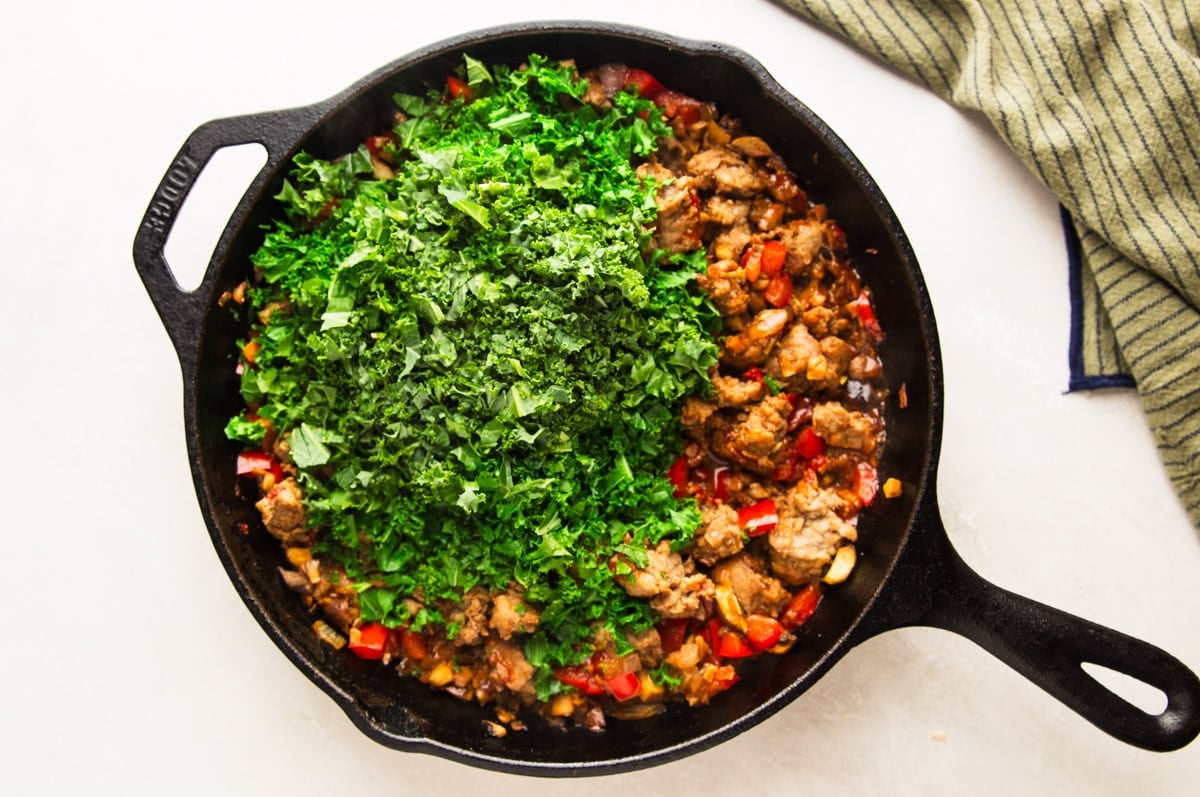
x=512 y=615
x=283 y=513
x=509 y=665
x=804 y=239
x=844 y=428
x=757 y=592
x=732 y=241
x=726 y=212
x=725 y=285
x=754 y=441
x=818 y=320
x=752 y=345
x=470 y=615
x=792 y=356
x=696 y=412
x=596 y=96
x=648 y=645
x=745 y=489
x=727 y=172
x=680 y=225
x=719 y=535
x=766 y=215
x=339 y=604
x=808 y=534
x=734 y=392
x=839 y=353
x=672 y=585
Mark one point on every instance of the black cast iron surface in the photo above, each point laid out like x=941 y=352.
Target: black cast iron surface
x=908 y=573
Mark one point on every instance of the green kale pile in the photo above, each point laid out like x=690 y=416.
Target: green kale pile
x=478 y=366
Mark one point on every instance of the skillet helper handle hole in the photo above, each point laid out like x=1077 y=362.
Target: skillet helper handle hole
x=181 y=307
x=1060 y=652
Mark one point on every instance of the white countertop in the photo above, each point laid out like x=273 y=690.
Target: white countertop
x=130 y=665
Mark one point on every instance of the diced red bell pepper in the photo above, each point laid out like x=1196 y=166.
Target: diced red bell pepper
x=720 y=483
x=581 y=678
x=760 y=518
x=801 y=411
x=678 y=476
x=762 y=631
x=647 y=85
x=778 y=292
x=787 y=471
x=676 y=105
x=866 y=314
x=753 y=373
x=414 y=645
x=458 y=88
x=837 y=238
x=801 y=607
x=774 y=255
x=866 y=482
x=625 y=686
x=368 y=641
x=711 y=631
x=672 y=632
x=732 y=645
x=258 y=463
x=809 y=444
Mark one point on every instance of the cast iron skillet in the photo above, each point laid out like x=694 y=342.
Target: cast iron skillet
x=908 y=574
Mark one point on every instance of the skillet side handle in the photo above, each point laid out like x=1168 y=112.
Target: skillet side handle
x=182 y=311
x=1049 y=647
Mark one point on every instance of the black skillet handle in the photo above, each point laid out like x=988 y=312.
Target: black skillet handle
x=1044 y=644
x=278 y=131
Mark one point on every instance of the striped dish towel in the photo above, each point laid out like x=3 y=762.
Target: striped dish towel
x=1101 y=99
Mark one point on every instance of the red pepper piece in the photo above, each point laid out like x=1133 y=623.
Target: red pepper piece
x=458 y=88
x=762 y=631
x=720 y=483
x=809 y=444
x=624 y=687
x=758 y=519
x=778 y=292
x=732 y=645
x=753 y=374
x=866 y=314
x=774 y=255
x=581 y=678
x=866 y=482
x=801 y=607
x=711 y=632
x=368 y=641
x=672 y=633
x=837 y=238
x=647 y=85
x=414 y=645
x=679 y=106
x=678 y=476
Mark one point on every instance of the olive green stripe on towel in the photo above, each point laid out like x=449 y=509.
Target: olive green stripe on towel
x=1101 y=100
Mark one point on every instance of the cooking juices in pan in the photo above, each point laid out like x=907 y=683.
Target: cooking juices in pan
x=562 y=394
